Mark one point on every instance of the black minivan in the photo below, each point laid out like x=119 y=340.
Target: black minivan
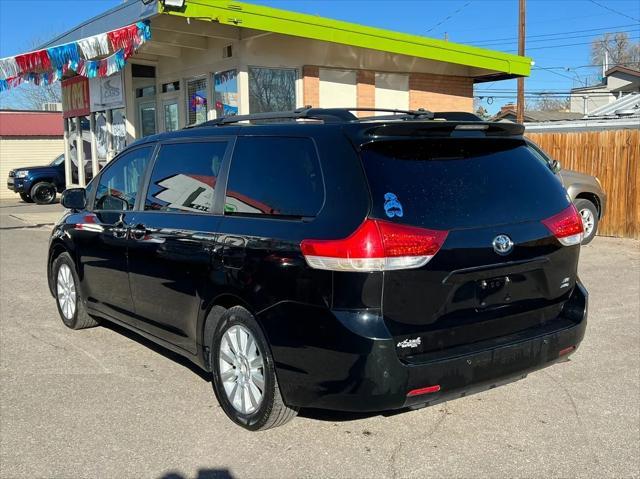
x=315 y=259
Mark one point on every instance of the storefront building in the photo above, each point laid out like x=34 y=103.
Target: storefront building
x=202 y=59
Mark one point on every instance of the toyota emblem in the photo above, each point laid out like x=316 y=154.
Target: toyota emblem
x=502 y=244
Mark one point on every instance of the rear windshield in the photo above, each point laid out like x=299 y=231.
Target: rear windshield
x=460 y=183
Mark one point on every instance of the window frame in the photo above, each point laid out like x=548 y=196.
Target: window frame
x=216 y=210
x=226 y=168
x=110 y=164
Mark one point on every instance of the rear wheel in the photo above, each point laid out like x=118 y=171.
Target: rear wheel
x=589 y=214
x=244 y=378
x=70 y=304
x=26 y=198
x=44 y=193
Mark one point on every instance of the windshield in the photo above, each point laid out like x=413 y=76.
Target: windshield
x=455 y=183
x=58 y=161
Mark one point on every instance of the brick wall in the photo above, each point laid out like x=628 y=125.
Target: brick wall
x=426 y=90
x=440 y=92
x=311 y=85
x=366 y=89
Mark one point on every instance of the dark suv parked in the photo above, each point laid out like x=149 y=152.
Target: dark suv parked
x=41 y=184
x=318 y=260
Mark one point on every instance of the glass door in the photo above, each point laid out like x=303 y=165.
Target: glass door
x=147 y=112
x=171 y=120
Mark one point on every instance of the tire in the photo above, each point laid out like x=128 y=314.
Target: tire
x=71 y=306
x=43 y=193
x=237 y=387
x=589 y=214
x=26 y=198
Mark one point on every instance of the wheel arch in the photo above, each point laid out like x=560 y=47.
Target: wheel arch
x=593 y=198
x=212 y=313
x=56 y=248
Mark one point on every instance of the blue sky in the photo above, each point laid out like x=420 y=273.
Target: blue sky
x=558 y=31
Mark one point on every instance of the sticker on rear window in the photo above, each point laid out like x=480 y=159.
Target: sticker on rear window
x=392 y=205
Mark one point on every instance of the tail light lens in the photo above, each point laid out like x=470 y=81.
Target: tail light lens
x=566 y=226
x=375 y=246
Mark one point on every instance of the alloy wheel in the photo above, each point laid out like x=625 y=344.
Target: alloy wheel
x=241 y=369
x=66 y=290
x=588 y=221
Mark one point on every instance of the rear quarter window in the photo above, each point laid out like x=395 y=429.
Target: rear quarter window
x=274 y=176
x=460 y=183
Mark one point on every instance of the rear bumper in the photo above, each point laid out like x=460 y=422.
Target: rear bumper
x=363 y=374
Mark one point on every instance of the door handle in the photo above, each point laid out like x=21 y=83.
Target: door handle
x=119 y=232
x=138 y=232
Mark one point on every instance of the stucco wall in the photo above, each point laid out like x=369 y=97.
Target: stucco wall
x=308 y=57
x=21 y=152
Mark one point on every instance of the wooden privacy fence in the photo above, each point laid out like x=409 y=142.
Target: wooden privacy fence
x=612 y=156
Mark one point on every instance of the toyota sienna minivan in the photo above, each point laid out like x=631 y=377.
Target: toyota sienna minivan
x=314 y=259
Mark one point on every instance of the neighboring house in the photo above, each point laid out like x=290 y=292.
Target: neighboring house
x=28 y=138
x=508 y=112
x=617 y=82
x=623 y=113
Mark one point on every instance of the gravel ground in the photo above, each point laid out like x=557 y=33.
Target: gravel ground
x=106 y=403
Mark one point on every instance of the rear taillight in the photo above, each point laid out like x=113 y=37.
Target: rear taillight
x=566 y=226
x=375 y=246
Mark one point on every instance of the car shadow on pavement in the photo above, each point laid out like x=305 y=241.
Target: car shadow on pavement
x=202 y=474
x=175 y=357
x=345 y=416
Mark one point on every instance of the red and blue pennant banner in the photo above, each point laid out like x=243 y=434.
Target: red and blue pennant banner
x=44 y=67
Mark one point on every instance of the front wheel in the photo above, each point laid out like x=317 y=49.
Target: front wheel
x=70 y=304
x=26 y=198
x=44 y=193
x=589 y=214
x=244 y=378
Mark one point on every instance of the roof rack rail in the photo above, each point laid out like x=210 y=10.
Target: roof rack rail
x=327 y=115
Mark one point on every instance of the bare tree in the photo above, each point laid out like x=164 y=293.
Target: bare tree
x=32 y=97
x=550 y=103
x=29 y=96
x=619 y=49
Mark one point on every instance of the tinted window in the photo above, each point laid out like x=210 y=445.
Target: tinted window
x=460 y=183
x=184 y=177
x=274 y=176
x=119 y=184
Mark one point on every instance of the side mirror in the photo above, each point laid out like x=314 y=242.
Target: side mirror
x=555 y=166
x=74 y=199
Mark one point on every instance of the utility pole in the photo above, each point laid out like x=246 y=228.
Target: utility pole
x=521 y=35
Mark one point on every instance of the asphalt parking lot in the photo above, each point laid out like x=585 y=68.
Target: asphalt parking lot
x=106 y=403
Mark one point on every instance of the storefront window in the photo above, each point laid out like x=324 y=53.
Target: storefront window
x=119 y=130
x=101 y=135
x=196 y=101
x=272 y=89
x=226 y=93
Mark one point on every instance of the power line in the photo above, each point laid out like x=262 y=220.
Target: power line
x=563 y=45
x=578 y=66
x=450 y=16
x=613 y=10
x=529 y=37
x=587 y=35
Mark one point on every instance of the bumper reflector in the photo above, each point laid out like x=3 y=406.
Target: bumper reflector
x=568 y=350
x=428 y=390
